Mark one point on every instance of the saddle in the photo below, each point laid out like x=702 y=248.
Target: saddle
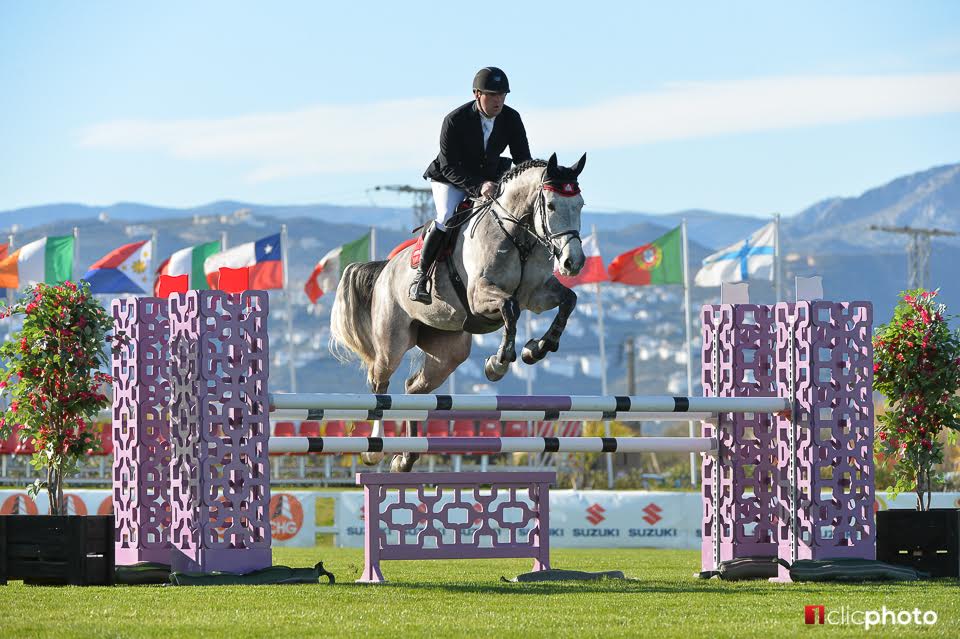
x=473 y=324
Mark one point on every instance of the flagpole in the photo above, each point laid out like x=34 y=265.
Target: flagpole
x=373 y=243
x=777 y=274
x=76 y=250
x=11 y=293
x=603 y=361
x=686 y=327
x=286 y=290
x=223 y=241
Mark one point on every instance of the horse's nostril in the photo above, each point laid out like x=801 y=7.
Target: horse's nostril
x=567 y=264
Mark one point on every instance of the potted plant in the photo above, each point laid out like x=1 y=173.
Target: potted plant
x=917 y=368
x=51 y=384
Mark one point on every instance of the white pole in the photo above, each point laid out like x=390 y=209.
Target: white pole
x=76 y=251
x=154 y=264
x=223 y=241
x=11 y=293
x=777 y=274
x=373 y=243
x=603 y=361
x=291 y=367
x=686 y=326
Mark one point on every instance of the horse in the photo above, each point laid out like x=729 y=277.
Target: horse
x=504 y=257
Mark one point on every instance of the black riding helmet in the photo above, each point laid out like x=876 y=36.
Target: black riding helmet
x=491 y=80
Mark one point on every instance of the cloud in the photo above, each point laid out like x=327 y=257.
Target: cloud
x=402 y=134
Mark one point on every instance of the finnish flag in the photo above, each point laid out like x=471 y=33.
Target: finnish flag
x=749 y=259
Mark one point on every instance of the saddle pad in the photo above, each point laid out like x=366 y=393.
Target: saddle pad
x=464 y=211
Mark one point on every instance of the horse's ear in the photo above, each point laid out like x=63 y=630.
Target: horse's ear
x=552 y=165
x=578 y=167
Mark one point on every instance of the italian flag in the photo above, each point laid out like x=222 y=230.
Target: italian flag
x=48 y=260
x=189 y=262
x=659 y=262
x=326 y=274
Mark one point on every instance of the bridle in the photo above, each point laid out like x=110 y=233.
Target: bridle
x=564 y=189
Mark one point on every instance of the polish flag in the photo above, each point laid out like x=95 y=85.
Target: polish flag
x=260 y=262
x=593 y=270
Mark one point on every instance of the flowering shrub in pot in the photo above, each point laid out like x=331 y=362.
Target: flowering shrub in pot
x=52 y=381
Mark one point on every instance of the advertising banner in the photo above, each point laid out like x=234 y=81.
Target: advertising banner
x=293 y=515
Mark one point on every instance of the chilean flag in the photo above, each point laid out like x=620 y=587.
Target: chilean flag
x=122 y=270
x=592 y=271
x=254 y=265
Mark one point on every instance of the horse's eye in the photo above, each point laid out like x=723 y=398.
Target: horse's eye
x=551 y=207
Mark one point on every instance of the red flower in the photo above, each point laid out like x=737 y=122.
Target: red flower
x=14 y=406
x=900 y=357
x=876 y=367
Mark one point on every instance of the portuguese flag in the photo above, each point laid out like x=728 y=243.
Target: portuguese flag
x=659 y=262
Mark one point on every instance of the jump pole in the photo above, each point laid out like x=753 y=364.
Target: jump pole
x=493 y=445
x=613 y=404
x=321 y=415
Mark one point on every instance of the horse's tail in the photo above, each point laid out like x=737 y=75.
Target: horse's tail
x=351 y=324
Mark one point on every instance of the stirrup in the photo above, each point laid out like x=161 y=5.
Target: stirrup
x=419 y=289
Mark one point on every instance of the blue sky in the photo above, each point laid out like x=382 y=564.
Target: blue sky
x=748 y=107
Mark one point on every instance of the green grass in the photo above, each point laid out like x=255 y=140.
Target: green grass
x=466 y=598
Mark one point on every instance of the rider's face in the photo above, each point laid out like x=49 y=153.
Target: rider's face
x=491 y=103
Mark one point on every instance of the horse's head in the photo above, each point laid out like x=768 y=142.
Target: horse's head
x=558 y=218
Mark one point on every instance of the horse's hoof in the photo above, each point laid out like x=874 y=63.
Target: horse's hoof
x=371 y=459
x=403 y=463
x=494 y=370
x=531 y=352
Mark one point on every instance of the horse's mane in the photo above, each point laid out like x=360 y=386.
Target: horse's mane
x=520 y=168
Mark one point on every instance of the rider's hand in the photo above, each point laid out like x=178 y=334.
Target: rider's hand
x=489 y=189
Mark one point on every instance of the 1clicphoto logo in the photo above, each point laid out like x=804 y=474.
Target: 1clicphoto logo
x=819 y=615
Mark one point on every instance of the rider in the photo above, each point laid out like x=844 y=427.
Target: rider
x=471 y=140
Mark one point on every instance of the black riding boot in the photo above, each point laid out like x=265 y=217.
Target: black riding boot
x=428 y=255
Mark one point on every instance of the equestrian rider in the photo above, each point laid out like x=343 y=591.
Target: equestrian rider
x=471 y=140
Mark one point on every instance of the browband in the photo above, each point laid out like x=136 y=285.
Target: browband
x=565 y=189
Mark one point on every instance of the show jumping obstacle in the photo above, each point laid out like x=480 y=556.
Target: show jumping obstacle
x=386 y=538
x=790 y=385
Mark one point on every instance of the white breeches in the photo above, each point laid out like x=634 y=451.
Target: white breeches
x=446 y=197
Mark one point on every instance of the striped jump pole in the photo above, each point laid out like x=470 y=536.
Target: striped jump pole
x=320 y=415
x=609 y=406
x=492 y=445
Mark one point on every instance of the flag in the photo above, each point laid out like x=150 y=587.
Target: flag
x=122 y=270
x=261 y=259
x=592 y=271
x=659 y=262
x=189 y=262
x=48 y=260
x=751 y=258
x=326 y=274
x=402 y=245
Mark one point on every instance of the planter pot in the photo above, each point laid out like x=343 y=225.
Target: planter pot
x=928 y=541
x=57 y=550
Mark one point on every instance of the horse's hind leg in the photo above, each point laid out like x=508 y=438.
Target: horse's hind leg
x=391 y=347
x=443 y=352
x=553 y=294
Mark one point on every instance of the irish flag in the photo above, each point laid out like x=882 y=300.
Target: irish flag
x=259 y=263
x=122 y=270
x=189 y=262
x=659 y=262
x=48 y=260
x=326 y=274
x=592 y=270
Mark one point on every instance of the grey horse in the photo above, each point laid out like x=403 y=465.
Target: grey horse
x=504 y=256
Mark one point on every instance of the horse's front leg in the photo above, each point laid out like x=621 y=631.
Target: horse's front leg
x=552 y=294
x=490 y=300
x=498 y=364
